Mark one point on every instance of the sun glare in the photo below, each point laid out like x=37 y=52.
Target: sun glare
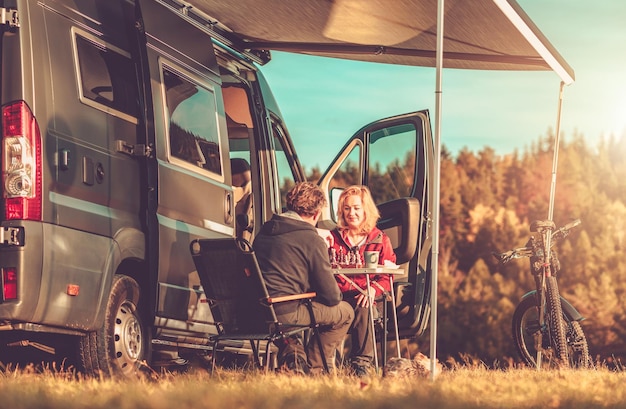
x=617 y=125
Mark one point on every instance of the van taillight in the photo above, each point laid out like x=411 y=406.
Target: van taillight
x=21 y=163
x=9 y=284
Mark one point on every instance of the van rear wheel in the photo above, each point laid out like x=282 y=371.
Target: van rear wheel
x=119 y=347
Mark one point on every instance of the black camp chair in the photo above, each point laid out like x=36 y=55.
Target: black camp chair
x=240 y=303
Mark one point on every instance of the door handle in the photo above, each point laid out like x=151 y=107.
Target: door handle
x=228 y=207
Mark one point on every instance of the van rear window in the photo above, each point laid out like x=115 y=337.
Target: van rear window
x=107 y=78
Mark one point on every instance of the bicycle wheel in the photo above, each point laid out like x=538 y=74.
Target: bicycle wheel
x=556 y=324
x=526 y=334
x=578 y=350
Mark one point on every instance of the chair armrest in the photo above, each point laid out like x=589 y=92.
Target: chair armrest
x=293 y=297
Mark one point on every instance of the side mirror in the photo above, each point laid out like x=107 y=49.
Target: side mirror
x=334 y=201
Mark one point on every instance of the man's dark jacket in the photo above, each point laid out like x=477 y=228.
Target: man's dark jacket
x=294 y=260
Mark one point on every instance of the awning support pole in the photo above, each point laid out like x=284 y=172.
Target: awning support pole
x=555 y=158
x=435 y=251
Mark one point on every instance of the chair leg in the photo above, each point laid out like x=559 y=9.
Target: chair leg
x=255 y=353
x=394 y=314
x=383 y=339
x=372 y=325
x=214 y=357
x=268 y=350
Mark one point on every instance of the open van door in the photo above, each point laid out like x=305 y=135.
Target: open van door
x=394 y=157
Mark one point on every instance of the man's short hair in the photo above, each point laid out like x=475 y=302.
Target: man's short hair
x=305 y=198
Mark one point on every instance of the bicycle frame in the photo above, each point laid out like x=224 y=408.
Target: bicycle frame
x=546 y=266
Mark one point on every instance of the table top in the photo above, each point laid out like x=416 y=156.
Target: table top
x=364 y=270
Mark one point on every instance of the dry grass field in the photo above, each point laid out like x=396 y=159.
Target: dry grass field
x=462 y=387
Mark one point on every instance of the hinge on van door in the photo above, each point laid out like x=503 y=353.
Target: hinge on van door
x=133 y=150
x=12 y=236
x=10 y=18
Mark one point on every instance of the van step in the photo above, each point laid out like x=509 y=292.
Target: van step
x=182 y=344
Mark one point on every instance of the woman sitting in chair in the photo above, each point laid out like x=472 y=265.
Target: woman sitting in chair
x=356 y=232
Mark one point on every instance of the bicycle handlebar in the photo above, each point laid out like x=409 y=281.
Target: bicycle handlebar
x=528 y=251
x=515 y=253
x=564 y=231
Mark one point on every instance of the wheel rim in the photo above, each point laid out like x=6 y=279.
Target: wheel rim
x=528 y=330
x=128 y=339
x=526 y=327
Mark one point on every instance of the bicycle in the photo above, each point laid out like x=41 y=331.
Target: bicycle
x=544 y=323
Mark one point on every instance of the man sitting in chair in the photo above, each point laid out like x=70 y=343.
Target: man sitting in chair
x=294 y=259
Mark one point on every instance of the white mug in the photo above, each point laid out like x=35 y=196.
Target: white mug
x=371 y=259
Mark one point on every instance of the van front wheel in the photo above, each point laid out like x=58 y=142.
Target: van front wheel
x=120 y=345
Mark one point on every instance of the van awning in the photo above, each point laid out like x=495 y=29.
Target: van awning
x=478 y=34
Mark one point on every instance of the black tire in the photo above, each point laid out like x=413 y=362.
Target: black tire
x=526 y=330
x=556 y=324
x=120 y=347
x=578 y=348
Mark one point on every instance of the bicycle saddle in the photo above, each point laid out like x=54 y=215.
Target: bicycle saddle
x=542 y=225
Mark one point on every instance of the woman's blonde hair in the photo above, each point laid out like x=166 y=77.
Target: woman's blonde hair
x=371 y=213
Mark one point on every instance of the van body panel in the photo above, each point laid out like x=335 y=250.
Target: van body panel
x=83 y=264
x=90 y=191
x=180 y=71
x=178 y=36
x=48 y=267
x=86 y=137
x=28 y=260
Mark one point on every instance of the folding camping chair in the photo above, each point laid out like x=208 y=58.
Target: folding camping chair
x=241 y=306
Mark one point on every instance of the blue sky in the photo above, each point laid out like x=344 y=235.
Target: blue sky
x=324 y=101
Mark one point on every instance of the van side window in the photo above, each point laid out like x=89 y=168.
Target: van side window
x=193 y=129
x=107 y=78
x=391 y=170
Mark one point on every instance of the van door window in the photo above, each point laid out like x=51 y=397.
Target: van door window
x=284 y=171
x=238 y=120
x=348 y=173
x=193 y=130
x=391 y=170
x=106 y=77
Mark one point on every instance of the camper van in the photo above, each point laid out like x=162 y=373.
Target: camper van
x=130 y=129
